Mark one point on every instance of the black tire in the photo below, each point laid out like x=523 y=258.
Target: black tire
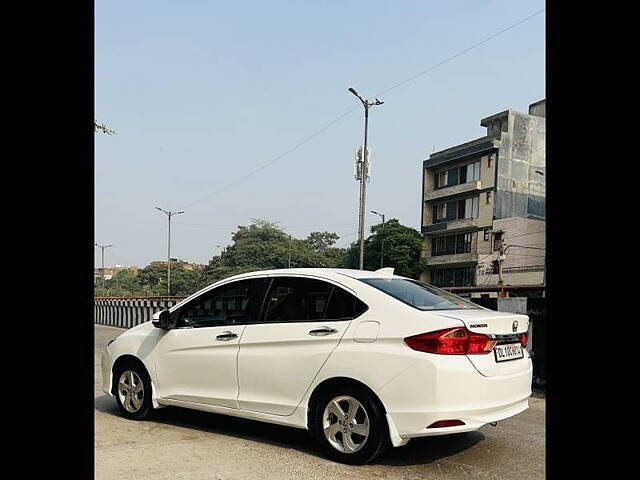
x=146 y=407
x=377 y=440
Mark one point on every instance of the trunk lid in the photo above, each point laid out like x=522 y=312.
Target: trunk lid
x=505 y=327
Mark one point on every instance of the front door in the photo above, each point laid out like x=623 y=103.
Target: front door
x=197 y=360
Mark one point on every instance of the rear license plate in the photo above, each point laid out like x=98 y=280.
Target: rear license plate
x=509 y=351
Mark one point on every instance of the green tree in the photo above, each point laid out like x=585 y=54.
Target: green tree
x=320 y=241
x=101 y=127
x=263 y=245
x=402 y=247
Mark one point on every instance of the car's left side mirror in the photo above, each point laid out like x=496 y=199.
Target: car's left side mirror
x=162 y=319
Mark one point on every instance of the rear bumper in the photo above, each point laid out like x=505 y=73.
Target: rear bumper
x=434 y=389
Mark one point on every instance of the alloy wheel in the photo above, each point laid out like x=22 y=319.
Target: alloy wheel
x=345 y=423
x=130 y=391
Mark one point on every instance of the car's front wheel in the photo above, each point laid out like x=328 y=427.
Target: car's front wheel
x=133 y=392
x=350 y=426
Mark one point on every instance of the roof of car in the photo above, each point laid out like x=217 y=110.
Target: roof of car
x=324 y=271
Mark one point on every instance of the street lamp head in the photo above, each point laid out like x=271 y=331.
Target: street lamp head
x=378 y=102
x=178 y=213
x=352 y=90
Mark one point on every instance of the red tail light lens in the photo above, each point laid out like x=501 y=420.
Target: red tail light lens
x=446 y=423
x=523 y=340
x=451 y=341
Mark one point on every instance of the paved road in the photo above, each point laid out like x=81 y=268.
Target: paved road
x=187 y=444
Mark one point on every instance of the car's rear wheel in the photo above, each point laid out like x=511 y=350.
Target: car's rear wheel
x=133 y=392
x=350 y=426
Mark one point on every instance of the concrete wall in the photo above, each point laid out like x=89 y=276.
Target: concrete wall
x=522 y=266
x=521 y=189
x=127 y=312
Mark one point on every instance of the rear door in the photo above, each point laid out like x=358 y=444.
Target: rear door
x=508 y=356
x=302 y=322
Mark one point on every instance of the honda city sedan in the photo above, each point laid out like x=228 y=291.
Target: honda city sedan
x=362 y=360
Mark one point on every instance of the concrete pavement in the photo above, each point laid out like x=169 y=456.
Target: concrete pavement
x=187 y=444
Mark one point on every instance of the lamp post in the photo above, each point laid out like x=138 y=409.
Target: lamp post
x=222 y=249
x=382 y=238
x=102 y=247
x=169 y=215
x=364 y=170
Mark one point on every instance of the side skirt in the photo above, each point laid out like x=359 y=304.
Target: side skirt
x=297 y=419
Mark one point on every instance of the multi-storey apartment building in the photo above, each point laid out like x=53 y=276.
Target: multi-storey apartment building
x=484 y=197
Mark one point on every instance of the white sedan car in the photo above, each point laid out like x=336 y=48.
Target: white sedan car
x=361 y=359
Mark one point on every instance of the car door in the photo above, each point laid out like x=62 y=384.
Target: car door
x=302 y=322
x=197 y=360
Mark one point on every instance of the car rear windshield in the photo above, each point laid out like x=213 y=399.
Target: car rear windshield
x=420 y=295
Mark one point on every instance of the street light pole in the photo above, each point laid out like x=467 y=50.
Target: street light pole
x=222 y=249
x=382 y=239
x=169 y=215
x=364 y=171
x=102 y=247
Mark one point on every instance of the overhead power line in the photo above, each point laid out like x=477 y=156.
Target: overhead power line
x=340 y=117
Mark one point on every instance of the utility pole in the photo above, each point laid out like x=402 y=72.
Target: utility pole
x=382 y=239
x=102 y=247
x=169 y=215
x=501 y=257
x=289 y=251
x=364 y=170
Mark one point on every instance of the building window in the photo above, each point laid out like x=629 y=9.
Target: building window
x=497 y=241
x=471 y=207
x=441 y=211
x=457 y=176
x=472 y=172
x=451 y=244
x=441 y=179
x=453 y=277
x=456 y=210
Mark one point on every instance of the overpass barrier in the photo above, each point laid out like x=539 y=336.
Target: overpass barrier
x=129 y=312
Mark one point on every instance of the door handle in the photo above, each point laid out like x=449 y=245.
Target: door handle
x=226 y=336
x=322 y=331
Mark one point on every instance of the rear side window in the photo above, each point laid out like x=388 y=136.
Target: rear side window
x=294 y=299
x=344 y=306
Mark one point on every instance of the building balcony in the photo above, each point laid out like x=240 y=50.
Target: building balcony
x=453 y=190
x=454 y=226
x=453 y=259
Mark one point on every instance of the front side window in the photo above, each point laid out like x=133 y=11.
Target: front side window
x=225 y=305
x=419 y=295
x=294 y=299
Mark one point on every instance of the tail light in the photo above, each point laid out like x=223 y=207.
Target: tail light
x=523 y=340
x=451 y=341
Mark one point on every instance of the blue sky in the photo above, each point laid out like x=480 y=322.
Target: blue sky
x=201 y=93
